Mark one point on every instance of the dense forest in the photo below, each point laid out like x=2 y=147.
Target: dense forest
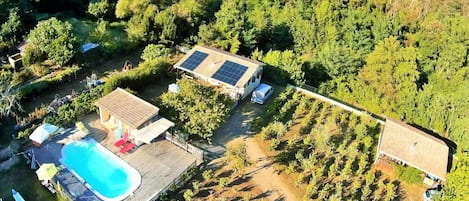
x=398 y=58
x=404 y=59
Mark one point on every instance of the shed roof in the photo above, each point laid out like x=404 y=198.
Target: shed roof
x=215 y=60
x=414 y=147
x=128 y=108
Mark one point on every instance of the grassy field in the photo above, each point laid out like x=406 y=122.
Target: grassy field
x=24 y=180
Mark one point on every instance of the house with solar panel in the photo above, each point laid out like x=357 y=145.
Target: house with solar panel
x=232 y=74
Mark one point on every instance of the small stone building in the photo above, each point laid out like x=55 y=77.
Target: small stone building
x=411 y=146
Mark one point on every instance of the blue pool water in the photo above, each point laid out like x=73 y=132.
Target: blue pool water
x=106 y=174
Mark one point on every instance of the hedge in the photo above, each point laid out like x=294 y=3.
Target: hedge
x=48 y=81
x=144 y=73
x=79 y=107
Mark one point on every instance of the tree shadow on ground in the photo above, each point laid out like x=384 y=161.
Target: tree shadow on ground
x=247 y=188
x=226 y=173
x=211 y=184
x=240 y=180
x=203 y=193
x=263 y=195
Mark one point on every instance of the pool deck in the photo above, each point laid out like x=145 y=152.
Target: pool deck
x=159 y=163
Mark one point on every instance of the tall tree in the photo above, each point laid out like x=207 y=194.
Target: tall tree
x=54 y=39
x=442 y=106
x=199 y=110
x=99 y=8
x=287 y=61
x=458 y=180
x=10 y=30
x=387 y=84
x=231 y=30
x=165 y=21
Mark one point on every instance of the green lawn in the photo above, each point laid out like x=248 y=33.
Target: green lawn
x=82 y=29
x=112 y=38
x=24 y=180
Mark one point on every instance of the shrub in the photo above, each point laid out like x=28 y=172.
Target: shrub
x=237 y=158
x=196 y=185
x=152 y=52
x=31 y=56
x=274 y=144
x=21 y=77
x=207 y=174
x=81 y=105
x=5 y=74
x=223 y=182
x=188 y=195
x=27 y=132
x=247 y=196
x=39 y=70
x=48 y=81
x=145 y=73
x=275 y=129
x=273 y=108
x=409 y=174
x=37 y=114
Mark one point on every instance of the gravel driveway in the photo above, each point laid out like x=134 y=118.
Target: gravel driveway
x=238 y=125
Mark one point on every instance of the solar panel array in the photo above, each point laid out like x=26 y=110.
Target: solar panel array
x=230 y=72
x=194 y=60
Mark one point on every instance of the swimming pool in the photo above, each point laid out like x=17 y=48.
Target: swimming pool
x=108 y=176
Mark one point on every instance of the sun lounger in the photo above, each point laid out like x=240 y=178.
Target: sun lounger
x=127 y=147
x=49 y=186
x=122 y=141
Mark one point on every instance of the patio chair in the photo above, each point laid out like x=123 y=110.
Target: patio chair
x=127 y=147
x=122 y=141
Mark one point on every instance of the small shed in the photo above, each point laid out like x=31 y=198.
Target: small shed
x=414 y=147
x=123 y=112
x=42 y=133
x=15 y=60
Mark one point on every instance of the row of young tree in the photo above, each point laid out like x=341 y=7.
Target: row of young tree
x=327 y=151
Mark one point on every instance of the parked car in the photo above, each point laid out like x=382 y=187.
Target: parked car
x=430 y=193
x=262 y=93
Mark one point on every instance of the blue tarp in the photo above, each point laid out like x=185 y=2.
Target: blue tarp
x=88 y=46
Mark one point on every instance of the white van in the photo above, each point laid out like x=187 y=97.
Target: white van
x=262 y=93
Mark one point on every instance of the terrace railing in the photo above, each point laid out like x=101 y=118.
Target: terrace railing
x=177 y=182
x=312 y=92
x=197 y=152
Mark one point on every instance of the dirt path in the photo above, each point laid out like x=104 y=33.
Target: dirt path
x=264 y=175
